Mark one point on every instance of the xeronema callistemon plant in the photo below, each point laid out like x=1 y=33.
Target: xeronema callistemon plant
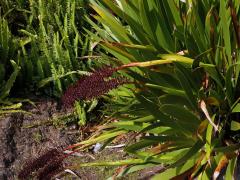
x=100 y=81
x=191 y=112
x=50 y=163
x=45 y=166
x=92 y=86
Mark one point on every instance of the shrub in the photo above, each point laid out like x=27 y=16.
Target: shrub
x=184 y=56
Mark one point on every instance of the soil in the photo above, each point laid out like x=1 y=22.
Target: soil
x=26 y=136
x=18 y=143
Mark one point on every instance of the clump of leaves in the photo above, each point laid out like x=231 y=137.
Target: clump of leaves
x=188 y=97
x=9 y=69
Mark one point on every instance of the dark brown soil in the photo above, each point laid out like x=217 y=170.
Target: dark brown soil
x=18 y=144
x=26 y=136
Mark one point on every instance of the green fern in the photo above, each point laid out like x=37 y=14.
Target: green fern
x=51 y=39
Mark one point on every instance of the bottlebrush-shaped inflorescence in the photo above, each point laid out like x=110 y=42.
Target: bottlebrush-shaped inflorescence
x=92 y=86
x=47 y=165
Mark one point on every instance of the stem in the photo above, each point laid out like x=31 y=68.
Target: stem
x=117 y=163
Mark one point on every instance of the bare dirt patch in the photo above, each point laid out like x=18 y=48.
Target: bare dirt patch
x=18 y=143
x=26 y=136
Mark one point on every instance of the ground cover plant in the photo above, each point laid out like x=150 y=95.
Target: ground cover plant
x=42 y=43
x=48 y=40
x=183 y=61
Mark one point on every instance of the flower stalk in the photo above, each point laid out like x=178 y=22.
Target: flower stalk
x=101 y=82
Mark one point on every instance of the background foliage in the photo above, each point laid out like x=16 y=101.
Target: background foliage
x=41 y=45
x=45 y=39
